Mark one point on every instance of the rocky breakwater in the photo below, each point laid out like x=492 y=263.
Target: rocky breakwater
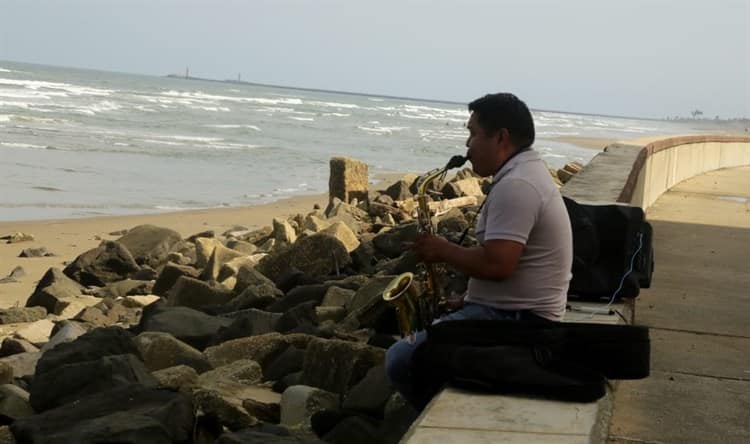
x=269 y=335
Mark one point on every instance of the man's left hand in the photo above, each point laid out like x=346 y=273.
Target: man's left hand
x=431 y=248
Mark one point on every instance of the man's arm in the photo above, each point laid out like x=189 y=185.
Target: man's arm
x=495 y=260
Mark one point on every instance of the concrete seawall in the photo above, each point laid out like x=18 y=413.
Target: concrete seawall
x=623 y=173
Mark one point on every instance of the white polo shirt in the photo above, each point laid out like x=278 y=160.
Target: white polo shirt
x=525 y=206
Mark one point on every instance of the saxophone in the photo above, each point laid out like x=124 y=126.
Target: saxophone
x=417 y=303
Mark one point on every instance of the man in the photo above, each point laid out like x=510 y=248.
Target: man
x=522 y=267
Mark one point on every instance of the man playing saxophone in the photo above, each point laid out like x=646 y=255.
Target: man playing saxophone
x=522 y=266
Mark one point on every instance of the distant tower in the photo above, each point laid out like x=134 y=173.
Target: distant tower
x=187 y=72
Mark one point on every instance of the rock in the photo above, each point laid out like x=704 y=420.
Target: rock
x=93 y=345
x=14 y=315
x=283 y=231
x=337 y=297
x=68 y=332
x=232 y=268
x=169 y=275
x=146 y=273
x=17 y=237
x=314 y=223
x=69 y=308
x=261 y=349
x=14 y=402
x=354 y=429
x=17 y=273
x=37 y=332
x=336 y=365
x=249 y=322
x=23 y=364
x=54 y=286
x=140 y=301
x=242 y=371
x=370 y=394
x=348 y=179
x=219 y=256
x=190 y=326
x=204 y=248
x=305 y=255
x=298 y=316
x=391 y=242
x=463 y=187
x=288 y=362
x=109 y=262
x=12 y=346
x=254 y=296
x=35 y=252
x=343 y=233
x=299 y=295
x=193 y=293
x=6 y=373
x=300 y=402
x=127 y=287
x=253 y=436
x=258 y=236
x=399 y=190
x=398 y=416
x=127 y=414
x=150 y=244
x=179 y=377
x=161 y=350
x=355 y=218
x=227 y=401
x=243 y=247
x=72 y=381
x=334 y=314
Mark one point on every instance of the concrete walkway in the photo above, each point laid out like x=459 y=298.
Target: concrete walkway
x=698 y=310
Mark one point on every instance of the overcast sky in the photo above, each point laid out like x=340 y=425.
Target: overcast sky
x=652 y=58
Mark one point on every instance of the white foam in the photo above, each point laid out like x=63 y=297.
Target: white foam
x=303 y=119
x=383 y=129
x=22 y=145
x=201 y=96
x=72 y=89
x=233 y=126
x=5 y=70
x=333 y=104
x=99 y=107
x=337 y=114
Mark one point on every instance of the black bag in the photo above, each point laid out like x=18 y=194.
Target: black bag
x=606 y=240
x=564 y=361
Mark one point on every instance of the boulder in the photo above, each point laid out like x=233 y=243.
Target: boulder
x=37 y=332
x=17 y=237
x=54 y=286
x=161 y=350
x=66 y=331
x=463 y=187
x=90 y=346
x=314 y=223
x=169 y=275
x=370 y=395
x=12 y=346
x=391 y=243
x=299 y=295
x=317 y=255
x=243 y=247
x=150 y=244
x=261 y=349
x=399 y=190
x=254 y=436
x=69 y=308
x=73 y=381
x=300 y=402
x=348 y=179
x=109 y=262
x=16 y=274
x=35 y=252
x=219 y=256
x=127 y=287
x=254 y=296
x=258 y=236
x=6 y=373
x=23 y=364
x=357 y=429
x=237 y=406
x=194 y=293
x=179 y=377
x=249 y=322
x=354 y=217
x=204 y=247
x=232 y=268
x=14 y=315
x=343 y=233
x=283 y=232
x=331 y=313
x=335 y=365
x=337 y=297
x=241 y=371
x=190 y=326
x=398 y=417
x=14 y=402
x=288 y=362
x=299 y=316
x=140 y=301
x=127 y=414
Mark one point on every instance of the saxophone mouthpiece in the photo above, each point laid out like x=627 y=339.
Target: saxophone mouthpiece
x=456 y=162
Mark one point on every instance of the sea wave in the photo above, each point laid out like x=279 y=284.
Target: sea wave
x=380 y=130
x=75 y=90
x=23 y=145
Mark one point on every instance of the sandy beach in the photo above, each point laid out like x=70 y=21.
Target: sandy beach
x=68 y=238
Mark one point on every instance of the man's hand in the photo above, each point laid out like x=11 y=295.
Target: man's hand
x=431 y=248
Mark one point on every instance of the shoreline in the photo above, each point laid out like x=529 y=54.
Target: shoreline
x=67 y=238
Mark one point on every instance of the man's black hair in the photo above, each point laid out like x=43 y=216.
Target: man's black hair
x=505 y=110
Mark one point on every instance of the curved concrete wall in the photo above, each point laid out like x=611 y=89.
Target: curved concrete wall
x=638 y=175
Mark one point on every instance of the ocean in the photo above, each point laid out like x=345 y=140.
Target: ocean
x=78 y=143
